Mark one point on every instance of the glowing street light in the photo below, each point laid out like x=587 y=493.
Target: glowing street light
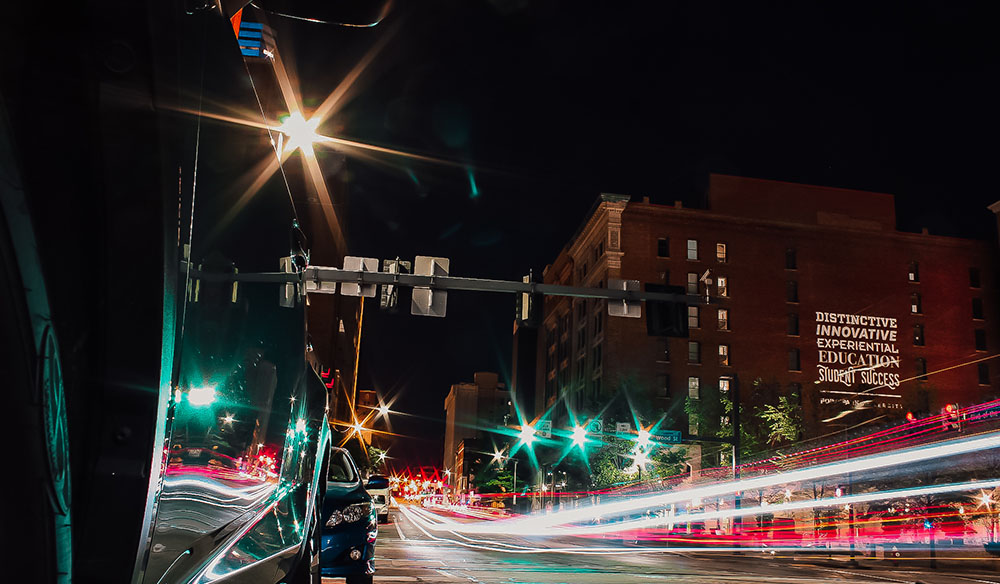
x=381 y=456
x=643 y=441
x=300 y=131
x=527 y=434
x=201 y=396
x=357 y=427
x=497 y=456
x=579 y=436
x=228 y=419
x=641 y=458
x=383 y=410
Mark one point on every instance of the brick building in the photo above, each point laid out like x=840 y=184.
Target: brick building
x=812 y=290
x=470 y=409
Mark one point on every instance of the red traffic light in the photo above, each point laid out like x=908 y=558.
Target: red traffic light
x=910 y=417
x=950 y=408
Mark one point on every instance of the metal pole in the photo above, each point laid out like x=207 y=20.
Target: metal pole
x=737 y=521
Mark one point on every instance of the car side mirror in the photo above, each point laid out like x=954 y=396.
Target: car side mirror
x=377 y=483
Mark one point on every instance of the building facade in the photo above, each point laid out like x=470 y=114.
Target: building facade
x=810 y=290
x=470 y=410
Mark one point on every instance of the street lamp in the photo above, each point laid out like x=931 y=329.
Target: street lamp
x=579 y=436
x=527 y=434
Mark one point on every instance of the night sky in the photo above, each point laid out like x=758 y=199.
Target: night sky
x=538 y=106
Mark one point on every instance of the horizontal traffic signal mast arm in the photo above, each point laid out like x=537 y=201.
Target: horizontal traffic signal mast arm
x=320 y=274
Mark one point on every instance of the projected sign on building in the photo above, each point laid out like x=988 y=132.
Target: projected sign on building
x=857 y=350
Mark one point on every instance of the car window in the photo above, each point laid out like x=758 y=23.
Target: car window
x=342 y=469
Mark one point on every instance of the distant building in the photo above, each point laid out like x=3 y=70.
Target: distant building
x=470 y=409
x=812 y=289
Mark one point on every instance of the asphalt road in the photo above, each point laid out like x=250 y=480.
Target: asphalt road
x=406 y=553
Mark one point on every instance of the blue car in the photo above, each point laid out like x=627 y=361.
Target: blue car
x=350 y=526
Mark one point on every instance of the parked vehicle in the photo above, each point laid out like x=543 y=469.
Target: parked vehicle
x=350 y=527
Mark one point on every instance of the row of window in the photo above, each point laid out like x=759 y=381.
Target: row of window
x=917 y=307
x=694 y=353
x=663 y=250
x=975 y=277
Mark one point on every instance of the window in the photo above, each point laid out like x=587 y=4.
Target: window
x=598 y=251
x=723 y=283
x=915 y=303
x=693 y=427
x=583 y=271
x=918 y=335
x=974 y=280
x=724 y=384
x=581 y=369
x=914 y=274
x=581 y=339
x=694 y=352
x=723 y=319
x=665 y=277
x=596 y=356
x=694 y=387
x=792 y=291
x=692 y=283
x=595 y=387
x=791 y=261
x=984 y=374
x=664 y=356
x=724 y=355
x=980 y=340
x=692 y=249
x=692 y=317
x=793 y=360
x=581 y=311
x=598 y=323
x=663 y=247
x=720 y=252
x=793 y=325
x=977 y=308
x=921 y=368
x=663 y=383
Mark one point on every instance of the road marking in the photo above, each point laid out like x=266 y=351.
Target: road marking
x=398 y=530
x=873 y=576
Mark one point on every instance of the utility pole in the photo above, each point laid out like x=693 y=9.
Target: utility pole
x=737 y=520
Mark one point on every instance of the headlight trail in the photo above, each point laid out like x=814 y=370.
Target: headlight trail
x=909 y=456
x=777 y=507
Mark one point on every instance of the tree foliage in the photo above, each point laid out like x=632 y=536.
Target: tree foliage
x=784 y=420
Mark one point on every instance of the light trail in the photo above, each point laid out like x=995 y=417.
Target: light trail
x=909 y=456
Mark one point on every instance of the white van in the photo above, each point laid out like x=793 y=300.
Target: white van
x=380 y=500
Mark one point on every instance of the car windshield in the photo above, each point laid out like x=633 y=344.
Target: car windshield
x=342 y=468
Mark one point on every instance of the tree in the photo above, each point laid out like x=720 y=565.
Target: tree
x=783 y=421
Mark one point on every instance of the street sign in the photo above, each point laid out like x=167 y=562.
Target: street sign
x=425 y=300
x=623 y=428
x=356 y=264
x=543 y=429
x=668 y=436
x=626 y=308
x=389 y=299
x=595 y=427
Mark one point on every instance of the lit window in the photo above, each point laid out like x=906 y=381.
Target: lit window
x=724 y=355
x=692 y=283
x=723 y=283
x=692 y=249
x=720 y=252
x=694 y=387
x=724 y=384
x=915 y=307
x=723 y=319
x=692 y=317
x=663 y=247
x=694 y=352
x=914 y=274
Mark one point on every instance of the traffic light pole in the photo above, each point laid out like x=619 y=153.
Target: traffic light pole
x=312 y=277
